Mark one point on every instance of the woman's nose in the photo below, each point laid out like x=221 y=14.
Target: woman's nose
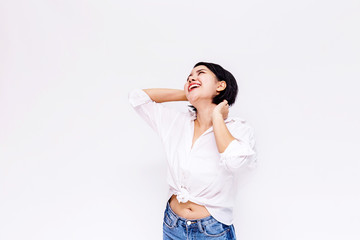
x=191 y=79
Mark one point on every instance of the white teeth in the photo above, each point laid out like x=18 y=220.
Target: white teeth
x=193 y=86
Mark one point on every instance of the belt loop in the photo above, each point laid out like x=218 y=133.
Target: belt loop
x=176 y=221
x=173 y=216
x=200 y=226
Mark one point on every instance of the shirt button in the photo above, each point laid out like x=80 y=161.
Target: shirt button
x=188 y=222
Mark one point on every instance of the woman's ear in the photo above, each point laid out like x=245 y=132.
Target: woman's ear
x=221 y=86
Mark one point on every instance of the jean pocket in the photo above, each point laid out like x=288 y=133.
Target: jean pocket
x=168 y=221
x=216 y=229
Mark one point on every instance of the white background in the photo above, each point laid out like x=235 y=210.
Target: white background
x=76 y=162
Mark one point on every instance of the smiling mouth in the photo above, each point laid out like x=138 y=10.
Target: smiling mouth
x=192 y=87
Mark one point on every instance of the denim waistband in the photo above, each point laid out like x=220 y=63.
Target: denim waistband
x=200 y=223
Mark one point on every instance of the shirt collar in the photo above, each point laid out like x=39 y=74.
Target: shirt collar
x=228 y=119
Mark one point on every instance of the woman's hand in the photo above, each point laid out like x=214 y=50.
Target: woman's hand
x=222 y=109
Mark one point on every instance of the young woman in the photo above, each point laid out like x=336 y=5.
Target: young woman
x=204 y=149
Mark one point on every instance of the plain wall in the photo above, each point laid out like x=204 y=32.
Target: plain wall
x=77 y=162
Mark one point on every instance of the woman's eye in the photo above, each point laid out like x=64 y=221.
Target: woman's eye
x=198 y=74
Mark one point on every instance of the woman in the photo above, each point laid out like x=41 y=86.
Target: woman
x=204 y=149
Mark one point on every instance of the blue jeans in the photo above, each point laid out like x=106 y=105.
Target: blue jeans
x=178 y=228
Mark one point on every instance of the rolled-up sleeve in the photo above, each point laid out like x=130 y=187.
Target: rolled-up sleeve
x=159 y=117
x=241 y=152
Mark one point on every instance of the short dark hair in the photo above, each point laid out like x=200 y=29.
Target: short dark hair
x=231 y=90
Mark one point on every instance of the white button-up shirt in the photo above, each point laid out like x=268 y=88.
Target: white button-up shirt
x=199 y=174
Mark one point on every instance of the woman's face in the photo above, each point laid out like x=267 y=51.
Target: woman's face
x=202 y=84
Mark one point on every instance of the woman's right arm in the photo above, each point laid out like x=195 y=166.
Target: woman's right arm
x=160 y=95
x=147 y=103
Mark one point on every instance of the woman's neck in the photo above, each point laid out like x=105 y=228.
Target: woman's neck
x=204 y=117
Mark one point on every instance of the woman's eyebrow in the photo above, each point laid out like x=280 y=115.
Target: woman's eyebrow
x=197 y=71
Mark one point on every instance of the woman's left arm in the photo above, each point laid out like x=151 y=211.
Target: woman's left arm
x=237 y=149
x=222 y=135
